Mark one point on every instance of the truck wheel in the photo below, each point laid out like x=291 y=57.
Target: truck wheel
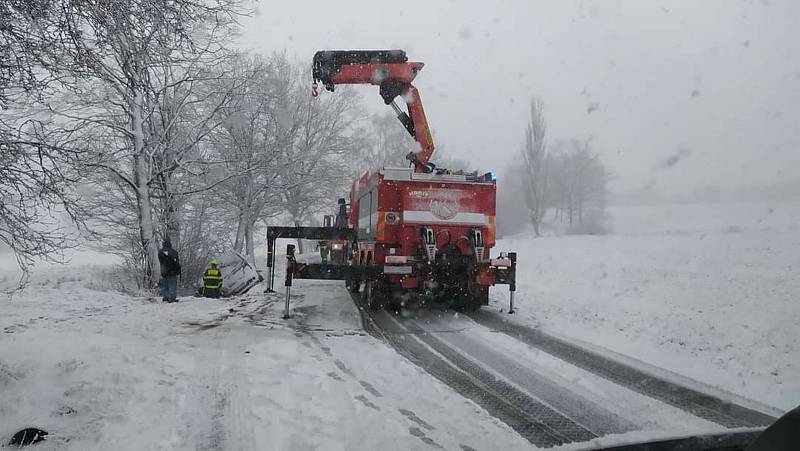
x=374 y=295
x=475 y=298
x=352 y=285
x=394 y=299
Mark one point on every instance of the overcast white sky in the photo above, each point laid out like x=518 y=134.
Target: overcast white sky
x=720 y=79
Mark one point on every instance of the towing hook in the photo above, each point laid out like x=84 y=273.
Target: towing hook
x=314 y=91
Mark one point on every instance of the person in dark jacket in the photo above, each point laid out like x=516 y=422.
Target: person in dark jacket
x=212 y=280
x=170 y=270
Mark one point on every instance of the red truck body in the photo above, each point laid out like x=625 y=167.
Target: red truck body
x=419 y=234
x=399 y=213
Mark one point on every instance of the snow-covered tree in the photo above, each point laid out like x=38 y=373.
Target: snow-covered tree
x=387 y=143
x=536 y=162
x=34 y=39
x=39 y=165
x=248 y=147
x=136 y=58
x=37 y=174
x=579 y=181
x=322 y=142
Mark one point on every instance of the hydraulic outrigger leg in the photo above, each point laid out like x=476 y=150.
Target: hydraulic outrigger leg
x=512 y=281
x=290 y=261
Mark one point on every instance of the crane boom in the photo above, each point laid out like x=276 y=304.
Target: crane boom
x=393 y=73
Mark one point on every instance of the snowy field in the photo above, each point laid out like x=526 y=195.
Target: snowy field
x=707 y=291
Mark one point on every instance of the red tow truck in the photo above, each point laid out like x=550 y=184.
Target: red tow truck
x=419 y=235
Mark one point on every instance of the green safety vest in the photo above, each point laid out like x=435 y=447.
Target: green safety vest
x=212 y=279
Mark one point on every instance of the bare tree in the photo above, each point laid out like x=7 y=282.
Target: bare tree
x=387 y=143
x=39 y=167
x=249 y=145
x=579 y=182
x=187 y=110
x=322 y=144
x=205 y=233
x=283 y=150
x=33 y=40
x=534 y=154
x=36 y=177
x=133 y=54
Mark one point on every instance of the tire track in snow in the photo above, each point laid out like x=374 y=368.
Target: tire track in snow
x=363 y=399
x=217 y=412
x=700 y=404
x=239 y=411
x=343 y=368
x=533 y=420
x=559 y=397
x=413 y=417
x=221 y=401
x=420 y=434
x=568 y=428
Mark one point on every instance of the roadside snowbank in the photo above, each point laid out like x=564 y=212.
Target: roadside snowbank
x=707 y=291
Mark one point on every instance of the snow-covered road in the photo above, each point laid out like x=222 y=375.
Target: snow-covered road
x=105 y=371
x=554 y=392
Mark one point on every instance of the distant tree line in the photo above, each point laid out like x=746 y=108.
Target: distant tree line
x=564 y=178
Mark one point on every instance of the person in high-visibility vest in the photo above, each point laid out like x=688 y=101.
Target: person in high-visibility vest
x=324 y=250
x=212 y=280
